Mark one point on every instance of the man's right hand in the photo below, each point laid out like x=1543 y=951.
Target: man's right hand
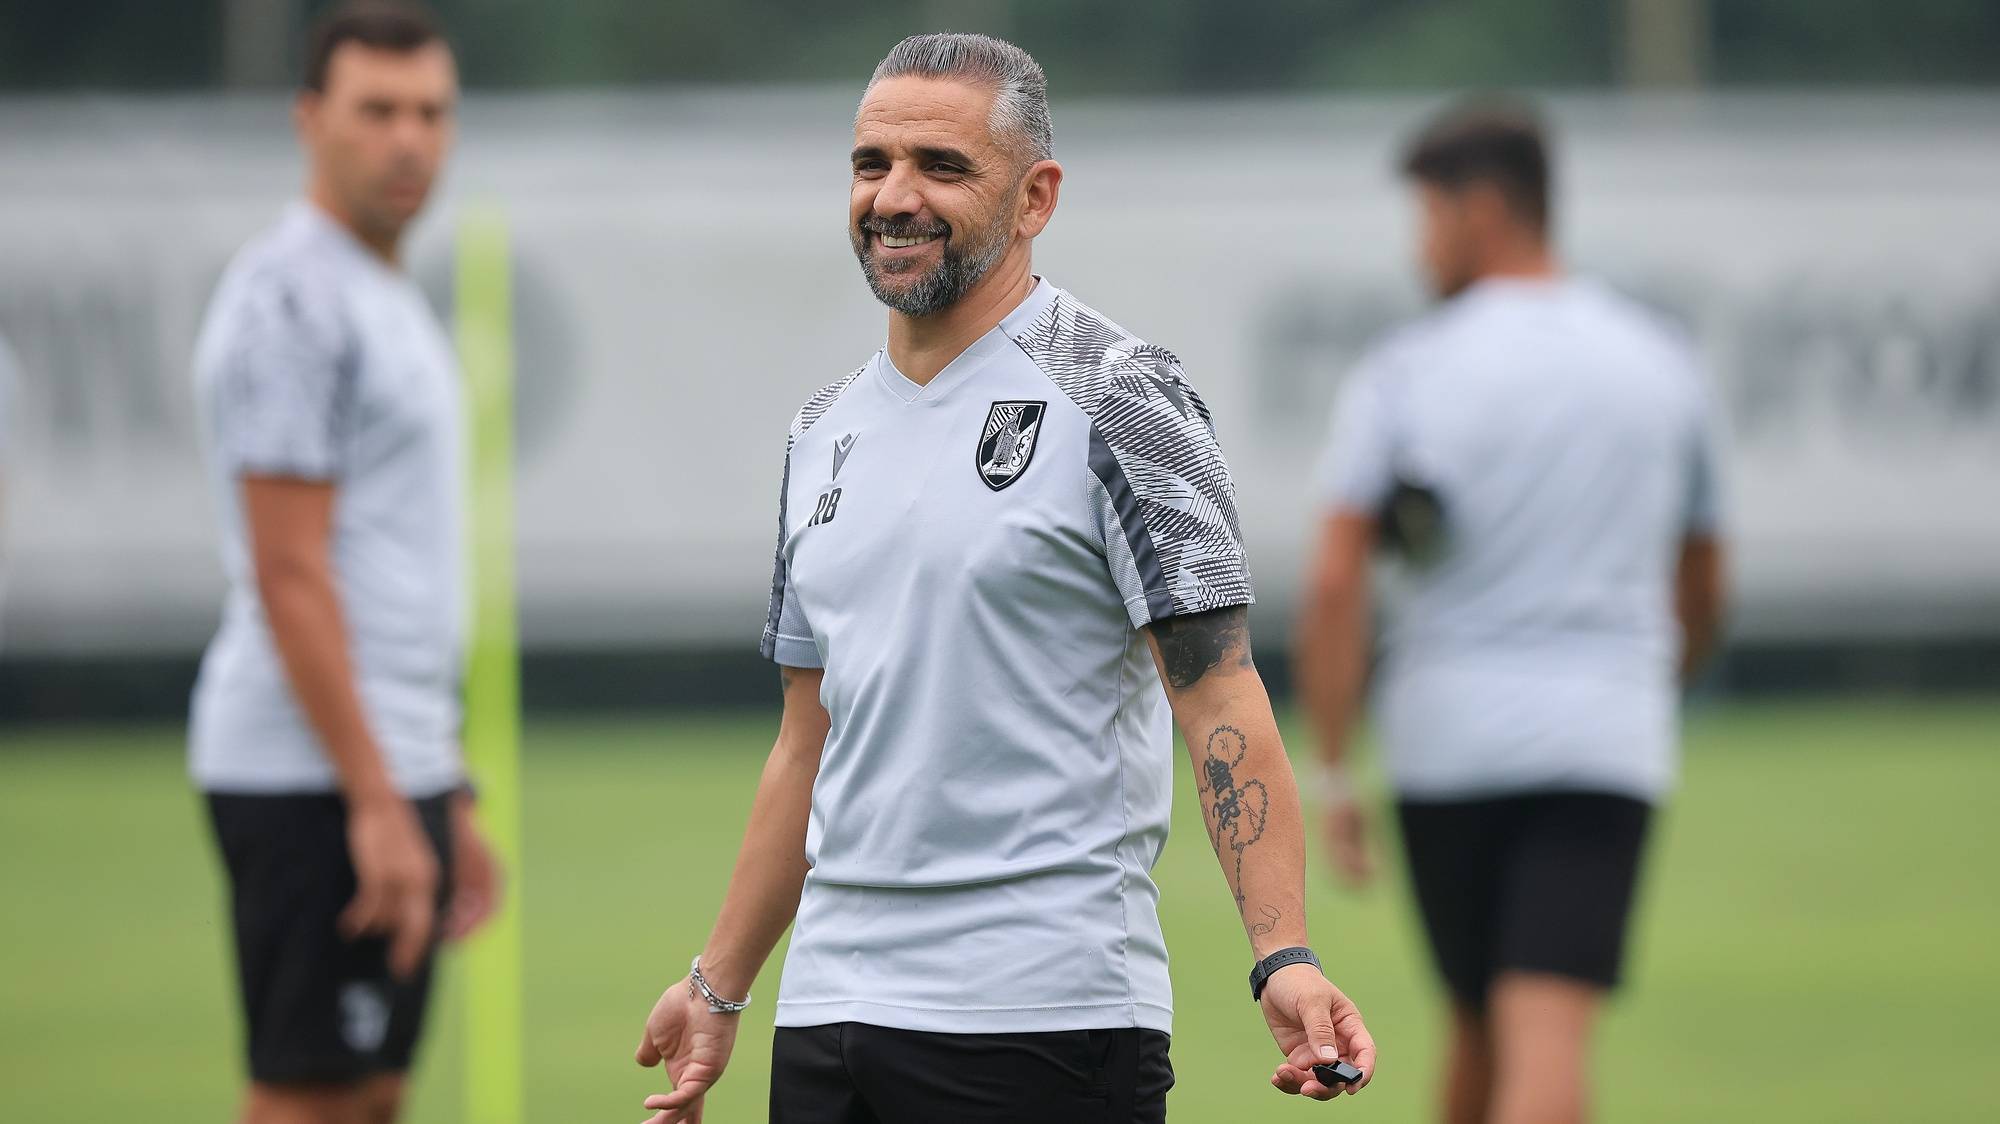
x=1348 y=842
x=695 y=1044
x=396 y=880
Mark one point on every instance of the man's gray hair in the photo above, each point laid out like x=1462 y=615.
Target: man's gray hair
x=1020 y=90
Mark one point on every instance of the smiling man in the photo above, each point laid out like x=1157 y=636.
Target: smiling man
x=1008 y=561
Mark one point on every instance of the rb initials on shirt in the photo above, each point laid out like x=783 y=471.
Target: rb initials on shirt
x=829 y=502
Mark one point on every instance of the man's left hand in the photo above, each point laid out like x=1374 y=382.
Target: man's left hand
x=1314 y=1023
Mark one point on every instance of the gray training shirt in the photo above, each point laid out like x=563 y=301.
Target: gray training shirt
x=1567 y=432
x=318 y=361
x=971 y=562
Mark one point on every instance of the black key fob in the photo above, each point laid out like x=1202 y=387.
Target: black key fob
x=1339 y=1073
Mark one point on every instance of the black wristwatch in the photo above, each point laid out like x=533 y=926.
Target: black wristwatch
x=1283 y=958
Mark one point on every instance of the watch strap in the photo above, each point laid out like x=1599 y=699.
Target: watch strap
x=1283 y=958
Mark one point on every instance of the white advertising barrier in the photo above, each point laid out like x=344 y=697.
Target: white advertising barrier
x=683 y=281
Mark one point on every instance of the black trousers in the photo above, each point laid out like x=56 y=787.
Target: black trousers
x=854 y=1073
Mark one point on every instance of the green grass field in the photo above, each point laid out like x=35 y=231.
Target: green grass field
x=1819 y=937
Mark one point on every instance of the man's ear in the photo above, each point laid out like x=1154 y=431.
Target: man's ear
x=1038 y=197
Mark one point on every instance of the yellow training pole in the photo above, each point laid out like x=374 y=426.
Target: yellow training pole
x=492 y=959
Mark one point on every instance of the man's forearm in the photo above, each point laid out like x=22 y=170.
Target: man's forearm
x=1330 y=651
x=1698 y=601
x=304 y=615
x=1250 y=807
x=1332 y=660
x=771 y=866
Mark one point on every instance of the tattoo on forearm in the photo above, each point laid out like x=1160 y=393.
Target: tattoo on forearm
x=1237 y=808
x=1271 y=918
x=1192 y=646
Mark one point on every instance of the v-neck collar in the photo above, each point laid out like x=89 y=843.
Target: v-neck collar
x=997 y=341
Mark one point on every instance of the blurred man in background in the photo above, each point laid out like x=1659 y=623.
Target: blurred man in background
x=326 y=718
x=998 y=539
x=1538 y=453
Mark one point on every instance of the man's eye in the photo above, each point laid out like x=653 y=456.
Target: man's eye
x=947 y=169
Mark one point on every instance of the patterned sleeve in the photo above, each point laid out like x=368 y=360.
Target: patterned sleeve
x=1166 y=504
x=284 y=389
x=788 y=637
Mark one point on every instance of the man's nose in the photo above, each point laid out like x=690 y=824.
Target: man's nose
x=899 y=193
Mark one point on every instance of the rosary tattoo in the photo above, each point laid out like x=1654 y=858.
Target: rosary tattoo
x=1238 y=809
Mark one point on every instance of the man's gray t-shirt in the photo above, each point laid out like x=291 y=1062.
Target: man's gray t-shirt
x=318 y=361
x=1568 y=435
x=971 y=562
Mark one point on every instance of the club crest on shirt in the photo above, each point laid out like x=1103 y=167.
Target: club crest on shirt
x=1007 y=441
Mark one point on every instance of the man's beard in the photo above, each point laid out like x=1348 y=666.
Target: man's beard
x=956 y=272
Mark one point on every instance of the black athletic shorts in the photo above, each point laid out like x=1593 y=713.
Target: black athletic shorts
x=319 y=1008
x=854 y=1073
x=1534 y=883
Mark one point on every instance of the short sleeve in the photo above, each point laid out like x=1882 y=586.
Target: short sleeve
x=285 y=382
x=1704 y=510
x=1356 y=469
x=1165 y=503
x=788 y=637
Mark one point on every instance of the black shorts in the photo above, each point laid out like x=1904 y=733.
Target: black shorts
x=1534 y=883
x=854 y=1073
x=319 y=1008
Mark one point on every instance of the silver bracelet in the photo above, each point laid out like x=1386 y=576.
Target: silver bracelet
x=699 y=988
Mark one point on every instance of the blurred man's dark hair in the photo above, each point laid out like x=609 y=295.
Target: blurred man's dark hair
x=1497 y=143
x=383 y=24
